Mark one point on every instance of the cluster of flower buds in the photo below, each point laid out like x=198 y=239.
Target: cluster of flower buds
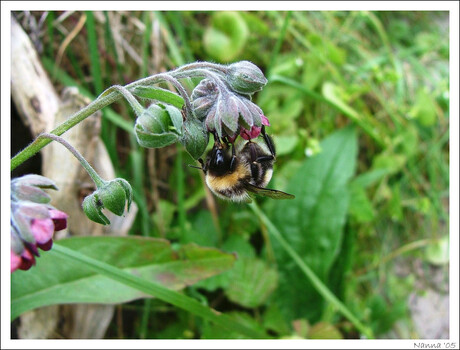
x=220 y=103
x=225 y=105
x=33 y=220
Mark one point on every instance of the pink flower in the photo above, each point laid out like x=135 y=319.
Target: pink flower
x=33 y=221
x=255 y=130
x=23 y=252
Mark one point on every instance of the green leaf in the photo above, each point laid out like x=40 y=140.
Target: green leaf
x=176 y=118
x=252 y=282
x=210 y=331
x=273 y=320
x=149 y=140
x=438 y=253
x=158 y=94
x=238 y=246
x=313 y=222
x=59 y=281
x=324 y=330
x=360 y=206
x=285 y=144
x=424 y=109
x=226 y=37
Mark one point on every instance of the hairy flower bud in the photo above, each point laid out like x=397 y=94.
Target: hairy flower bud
x=204 y=96
x=245 y=77
x=159 y=126
x=223 y=110
x=112 y=196
x=195 y=138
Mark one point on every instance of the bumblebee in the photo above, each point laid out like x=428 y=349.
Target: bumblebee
x=236 y=174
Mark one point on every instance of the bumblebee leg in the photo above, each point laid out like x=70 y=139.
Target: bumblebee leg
x=265 y=159
x=233 y=160
x=268 y=141
x=216 y=138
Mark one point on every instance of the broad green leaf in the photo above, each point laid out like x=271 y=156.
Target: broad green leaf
x=158 y=94
x=252 y=282
x=238 y=246
x=274 y=320
x=313 y=222
x=58 y=281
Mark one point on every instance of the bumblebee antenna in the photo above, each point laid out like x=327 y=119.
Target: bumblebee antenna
x=194 y=166
x=202 y=167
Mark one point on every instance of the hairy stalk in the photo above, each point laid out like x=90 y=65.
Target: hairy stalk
x=135 y=105
x=106 y=98
x=94 y=175
x=201 y=65
x=182 y=92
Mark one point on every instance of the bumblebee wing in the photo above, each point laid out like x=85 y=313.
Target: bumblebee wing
x=267 y=192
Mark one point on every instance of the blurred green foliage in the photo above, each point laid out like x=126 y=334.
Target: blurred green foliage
x=359 y=109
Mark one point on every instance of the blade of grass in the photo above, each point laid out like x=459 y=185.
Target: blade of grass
x=145 y=318
x=50 y=30
x=111 y=45
x=175 y=298
x=279 y=41
x=173 y=49
x=146 y=18
x=310 y=275
x=108 y=134
x=76 y=65
x=95 y=66
x=176 y=19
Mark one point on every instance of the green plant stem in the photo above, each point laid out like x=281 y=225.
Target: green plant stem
x=102 y=101
x=175 y=298
x=109 y=96
x=181 y=90
x=94 y=175
x=135 y=105
x=320 y=287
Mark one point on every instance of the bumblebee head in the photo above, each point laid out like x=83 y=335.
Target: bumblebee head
x=218 y=161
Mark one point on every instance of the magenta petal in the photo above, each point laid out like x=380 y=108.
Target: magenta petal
x=45 y=246
x=252 y=134
x=59 y=219
x=245 y=134
x=15 y=261
x=42 y=229
x=27 y=260
x=265 y=121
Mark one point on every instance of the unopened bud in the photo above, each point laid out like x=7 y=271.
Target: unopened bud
x=195 y=137
x=158 y=126
x=245 y=77
x=112 y=196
